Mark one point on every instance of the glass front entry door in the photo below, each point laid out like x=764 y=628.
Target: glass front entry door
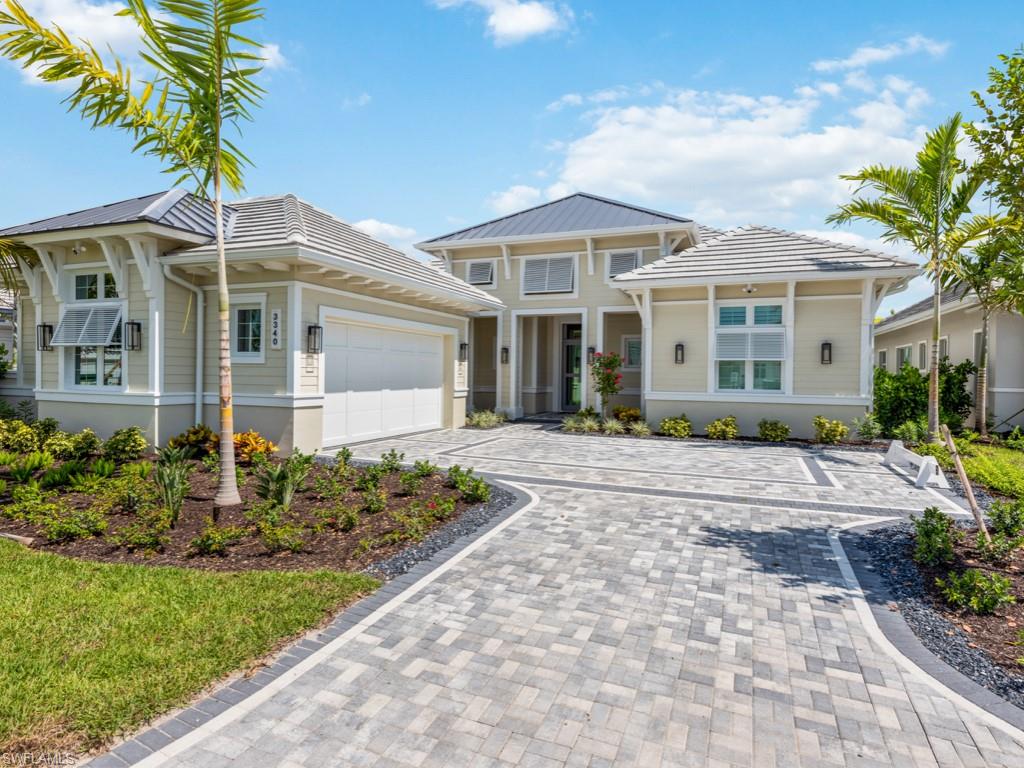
x=572 y=366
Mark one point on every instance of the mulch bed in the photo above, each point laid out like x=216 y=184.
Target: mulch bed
x=330 y=549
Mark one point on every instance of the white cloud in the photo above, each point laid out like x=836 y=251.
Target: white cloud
x=356 y=102
x=568 y=100
x=604 y=96
x=730 y=158
x=515 y=198
x=273 y=57
x=395 y=235
x=513 y=21
x=867 y=55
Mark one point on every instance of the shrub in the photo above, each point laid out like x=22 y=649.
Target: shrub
x=590 y=424
x=999 y=547
x=65 y=524
x=588 y=412
x=172 y=484
x=391 y=461
x=215 y=539
x=605 y=377
x=1007 y=517
x=127 y=494
x=341 y=518
x=723 y=429
x=370 y=478
x=981 y=593
x=410 y=483
x=265 y=511
x=279 y=483
x=58 y=477
x=126 y=444
x=1015 y=440
x=103 y=468
x=7 y=458
x=475 y=491
x=485 y=419
x=772 y=430
x=44 y=429
x=913 y=431
x=344 y=456
x=17 y=436
x=87 y=483
x=211 y=462
x=613 y=427
x=572 y=424
x=626 y=413
x=329 y=487
x=173 y=454
x=199 y=438
x=934 y=536
x=424 y=468
x=829 y=431
x=439 y=507
x=85 y=444
x=26 y=467
x=676 y=426
x=282 y=537
x=139 y=470
x=374 y=500
x=457 y=476
x=639 y=429
x=248 y=446
x=868 y=427
x=903 y=396
x=148 y=533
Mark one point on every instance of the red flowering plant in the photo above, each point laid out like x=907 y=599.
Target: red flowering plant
x=605 y=376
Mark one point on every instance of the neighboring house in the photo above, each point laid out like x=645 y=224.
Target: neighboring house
x=905 y=337
x=755 y=322
x=335 y=337
x=8 y=320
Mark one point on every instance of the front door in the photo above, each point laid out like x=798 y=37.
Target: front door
x=572 y=366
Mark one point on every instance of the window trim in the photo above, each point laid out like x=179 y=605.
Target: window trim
x=638 y=261
x=248 y=301
x=882 y=358
x=922 y=356
x=494 y=272
x=975 y=346
x=943 y=340
x=624 y=344
x=910 y=355
x=101 y=285
x=750 y=327
x=549 y=295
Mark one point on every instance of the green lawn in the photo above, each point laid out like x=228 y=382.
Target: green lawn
x=998 y=468
x=90 y=650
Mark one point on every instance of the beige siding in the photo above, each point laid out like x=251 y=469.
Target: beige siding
x=616 y=326
x=27 y=343
x=674 y=324
x=959 y=325
x=266 y=378
x=819 y=320
x=179 y=339
x=137 y=363
x=49 y=361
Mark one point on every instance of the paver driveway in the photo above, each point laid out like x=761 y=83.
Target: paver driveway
x=660 y=604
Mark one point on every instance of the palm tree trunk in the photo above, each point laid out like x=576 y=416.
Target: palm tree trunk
x=981 y=381
x=933 y=378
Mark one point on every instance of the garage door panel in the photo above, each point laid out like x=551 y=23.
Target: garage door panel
x=380 y=382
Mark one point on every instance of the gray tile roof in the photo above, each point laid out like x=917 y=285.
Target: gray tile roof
x=175 y=208
x=709 y=233
x=580 y=212
x=283 y=220
x=753 y=251
x=954 y=295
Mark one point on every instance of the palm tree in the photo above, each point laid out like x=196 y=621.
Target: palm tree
x=927 y=207
x=203 y=80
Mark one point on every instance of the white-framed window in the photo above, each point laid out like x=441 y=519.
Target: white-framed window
x=904 y=354
x=922 y=356
x=883 y=358
x=620 y=262
x=943 y=347
x=632 y=353
x=750 y=346
x=89 y=332
x=248 y=326
x=481 y=273
x=977 y=347
x=93 y=286
x=548 y=274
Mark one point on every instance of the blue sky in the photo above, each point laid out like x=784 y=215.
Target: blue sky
x=416 y=117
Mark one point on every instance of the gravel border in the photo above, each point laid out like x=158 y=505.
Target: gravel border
x=888 y=552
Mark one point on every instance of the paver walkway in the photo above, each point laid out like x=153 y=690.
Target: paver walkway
x=684 y=610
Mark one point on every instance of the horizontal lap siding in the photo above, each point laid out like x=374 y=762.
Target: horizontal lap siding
x=834 y=320
x=674 y=324
x=267 y=378
x=137 y=363
x=27 y=342
x=179 y=339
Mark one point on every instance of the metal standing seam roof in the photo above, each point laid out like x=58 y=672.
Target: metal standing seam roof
x=751 y=251
x=954 y=295
x=175 y=208
x=283 y=220
x=580 y=212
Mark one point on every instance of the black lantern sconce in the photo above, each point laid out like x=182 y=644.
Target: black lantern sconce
x=315 y=339
x=504 y=355
x=826 y=353
x=680 y=353
x=463 y=352
x=591 y=351
x=133 y=335
x=44 y=337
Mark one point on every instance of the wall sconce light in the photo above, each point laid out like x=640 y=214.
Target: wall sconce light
x=680 y=353
x=826 y=353
x=590 y=355
x=44 y=335
x=463 y=352
x=504 y=355
x=315 y=339
x=133 y=335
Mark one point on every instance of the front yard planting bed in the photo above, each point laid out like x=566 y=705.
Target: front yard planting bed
x=999 y=468
x=92 y=650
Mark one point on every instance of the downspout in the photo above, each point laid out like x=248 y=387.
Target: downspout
x=200 y=323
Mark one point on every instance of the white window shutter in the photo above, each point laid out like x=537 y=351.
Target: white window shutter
x=550 y=275
x=481 y=273
x=731 y=345
x=620 y=263
x=768 y=346
x=70 y=326
x=560 y=274
x=87 y=326
x=535 y=275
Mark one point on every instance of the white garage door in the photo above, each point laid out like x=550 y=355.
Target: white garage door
x=379 y=382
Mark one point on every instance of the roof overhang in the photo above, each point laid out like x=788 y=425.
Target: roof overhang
x=897 y=273
x=925 y=314
x=431 y=246
x=108 y=230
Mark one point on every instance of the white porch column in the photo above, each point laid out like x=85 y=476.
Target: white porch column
x=712 y=366
x=790 y=323
x=867 y=329
x=34 y=279
x=647 y=329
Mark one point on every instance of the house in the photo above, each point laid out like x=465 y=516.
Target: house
x=905 y=337
x=335 y=337
x=755 y=322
